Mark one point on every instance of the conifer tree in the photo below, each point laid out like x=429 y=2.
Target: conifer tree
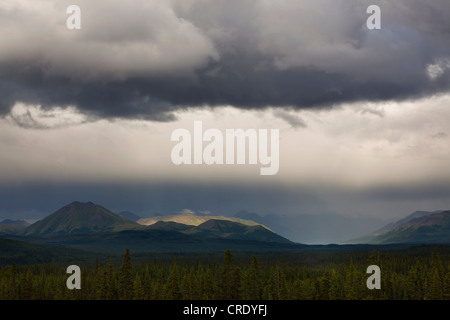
x=435 y=287
x=208 y=287
x=97 y=268
x=125 y=278
x=103 y=284
x=334 y=292
x=446 y=289
x=227 y=282
x=412 y=282
x=436 y=262
x=254 y=285
x=113 y=290
x=147 y=283
x=273 y=285
x=158 y=284
x=351 y=279
x=13 y=283
x=26 y=286
x=186 y=285
x=172 y=289
x=325 y=286
x=138 y=290
x=387 y=280
x=277 y=284
x=195 y=285
x=236 y=284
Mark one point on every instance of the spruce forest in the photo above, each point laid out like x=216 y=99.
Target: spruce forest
x=421 y=273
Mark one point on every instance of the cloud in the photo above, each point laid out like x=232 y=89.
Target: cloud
x=294 y=120
x=438 y=69
x=117 y=41
x=148 y=59
x=186 y=211
x=34 y=117
x=343 y=147
x=439 y=135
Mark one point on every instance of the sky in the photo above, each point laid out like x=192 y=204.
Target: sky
x=87 y=115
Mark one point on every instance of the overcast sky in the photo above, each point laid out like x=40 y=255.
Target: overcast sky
x=88 y=114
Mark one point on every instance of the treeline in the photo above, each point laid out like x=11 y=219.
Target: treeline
x=426 y=278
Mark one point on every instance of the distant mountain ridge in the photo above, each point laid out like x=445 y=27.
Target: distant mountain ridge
x=418 y=227
x=16 y=223
x=13 y=226
x=193 y=219
x=414 y=215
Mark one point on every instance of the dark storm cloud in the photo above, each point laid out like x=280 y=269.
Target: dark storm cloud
x=300 y=54
x=129 y=99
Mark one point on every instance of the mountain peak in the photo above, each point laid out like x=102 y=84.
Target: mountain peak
x=79 y=203
x=80 y=217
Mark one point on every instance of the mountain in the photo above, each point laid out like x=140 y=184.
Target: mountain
x=234 y=230
x=169 y=226
x=192 y=219
x=8 y=226
x=210 y=236
x=224 y=229
x=16 y=223
x=93 y=228
x=79 y=217
x=419 y=227
x=130 y=215
x=414 y=215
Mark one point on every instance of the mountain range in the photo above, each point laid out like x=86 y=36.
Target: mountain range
x=91 y=227
x=194 y=220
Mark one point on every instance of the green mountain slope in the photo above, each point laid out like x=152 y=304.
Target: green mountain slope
x=224 y=229
x=169 y=226
x=233 y=230
x=79 y=217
